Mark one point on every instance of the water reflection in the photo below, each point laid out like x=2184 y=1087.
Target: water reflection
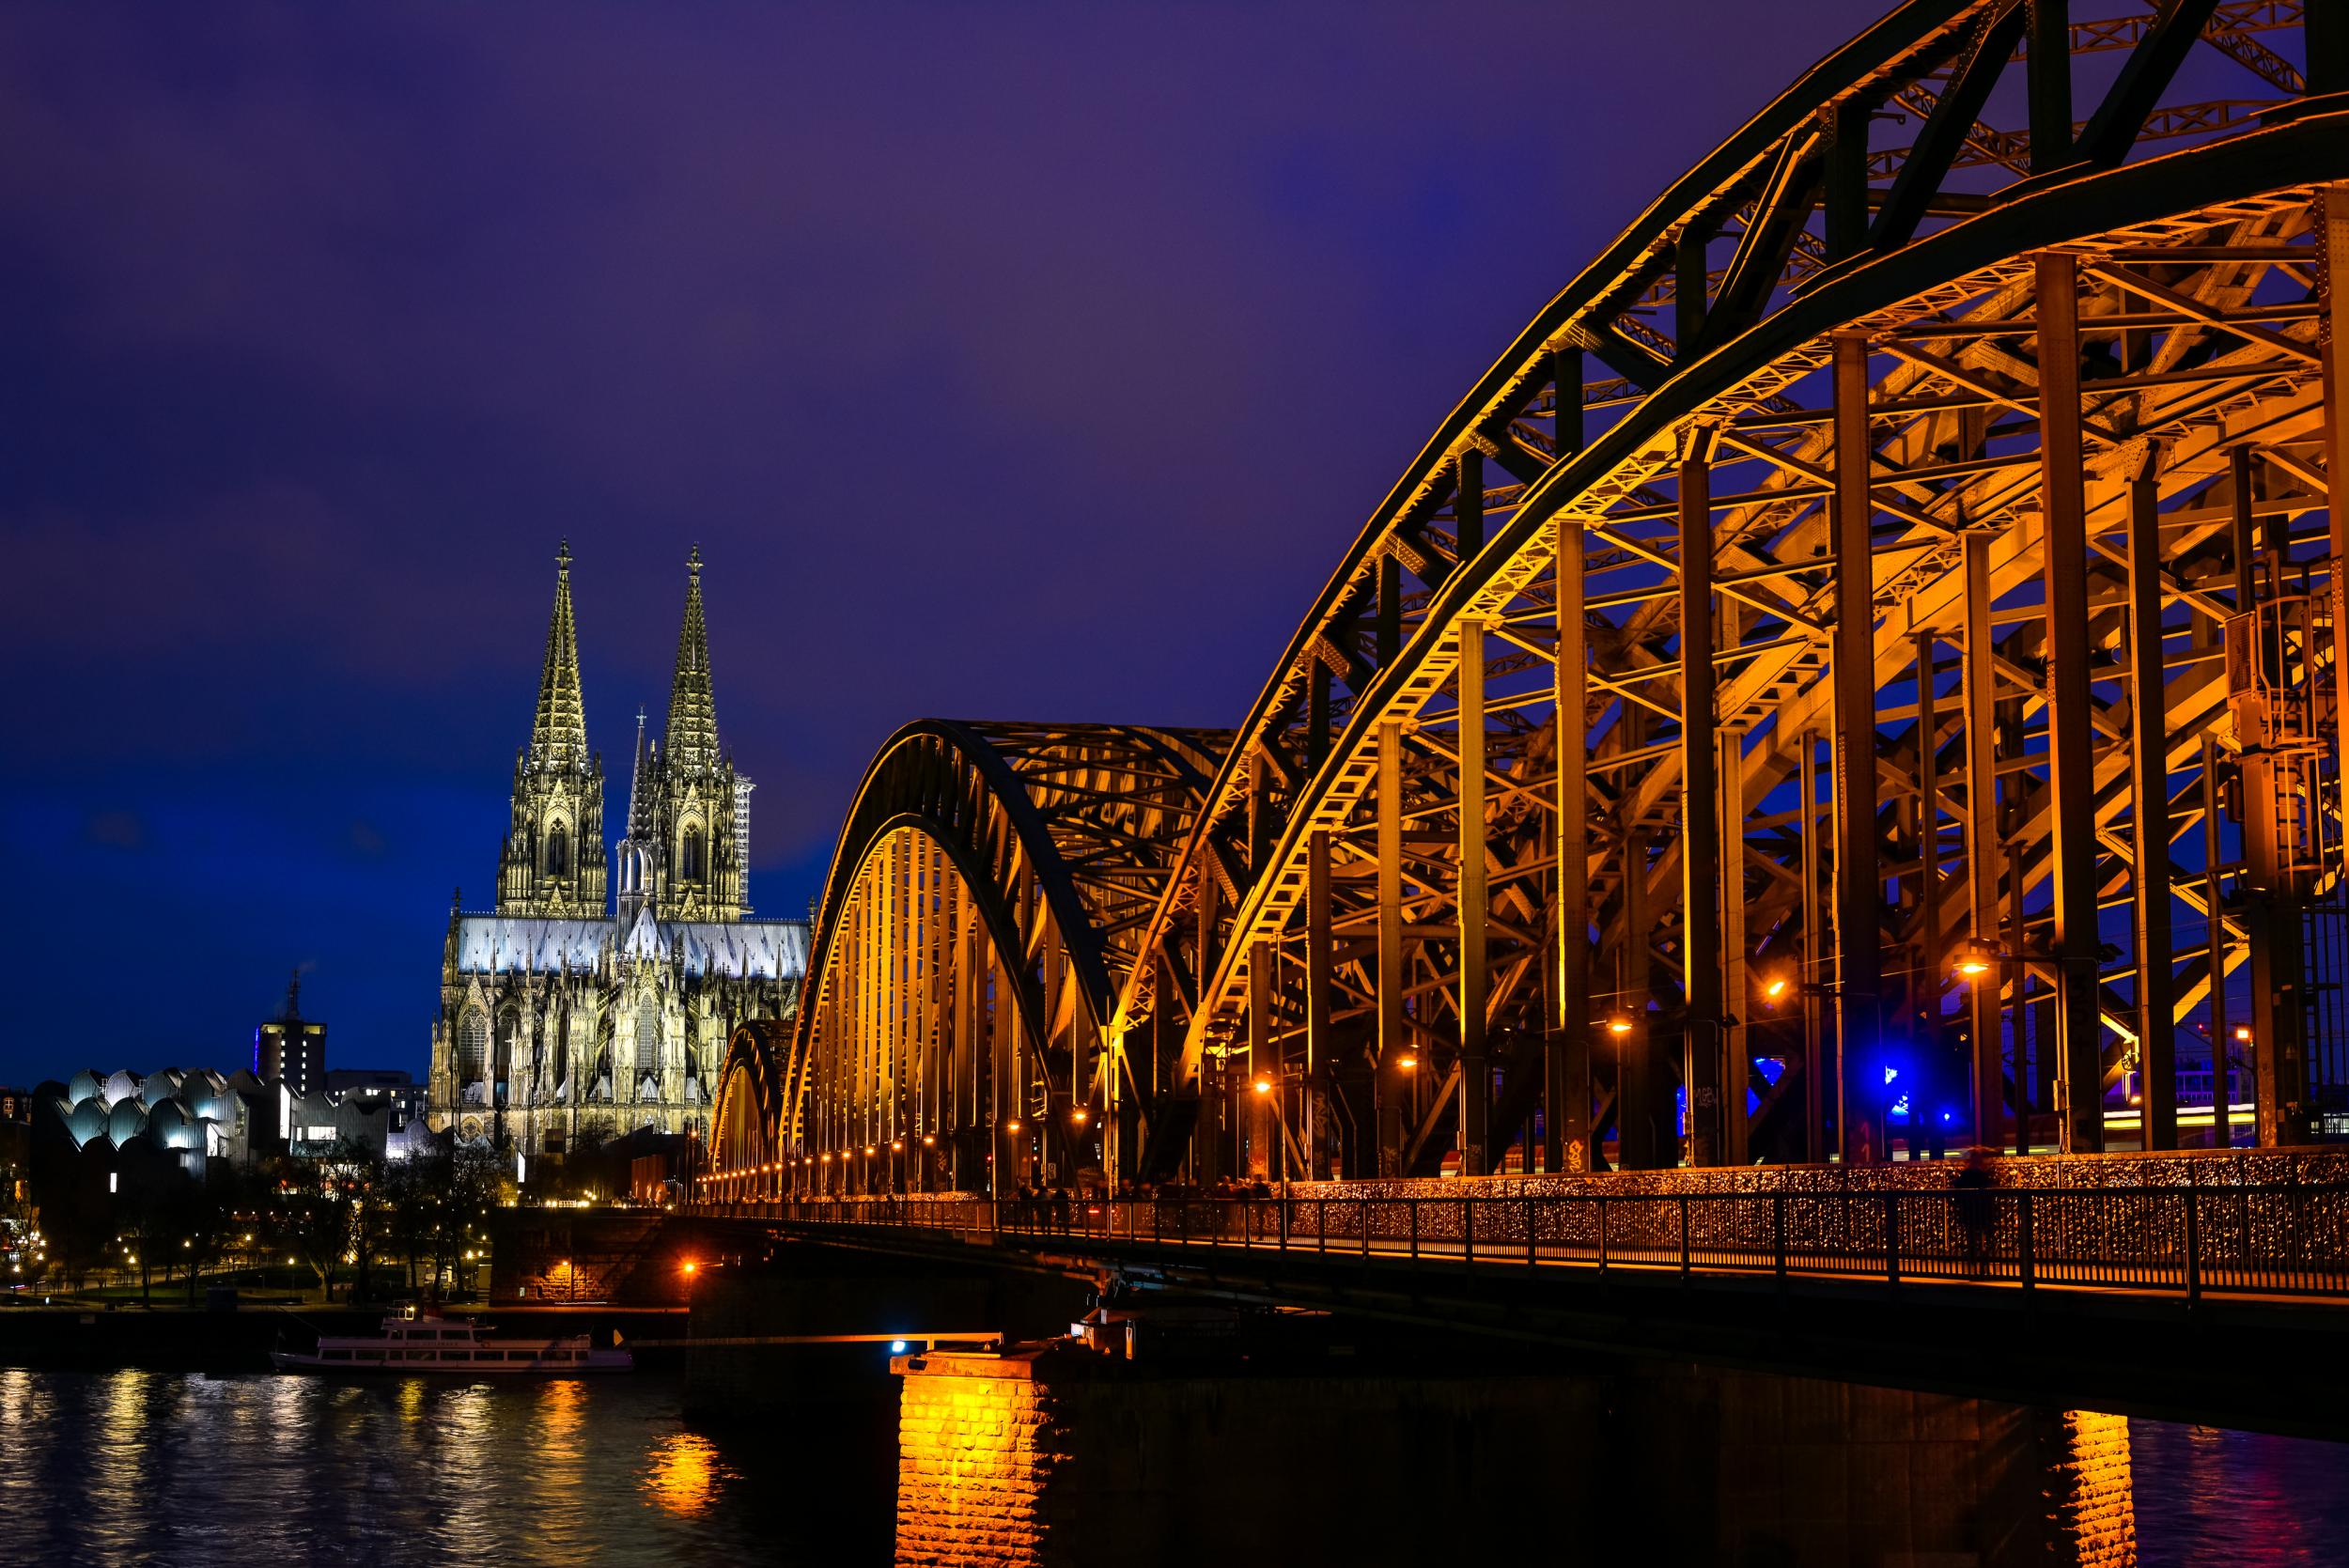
x=137 y=1467
x=683 y=1474
x=144 y=1469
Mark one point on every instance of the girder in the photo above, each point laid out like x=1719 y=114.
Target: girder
x=1990 y=462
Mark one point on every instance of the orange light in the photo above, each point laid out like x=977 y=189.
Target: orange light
x=1264 y=1086
x=868 y=1151
x=1407 y=1061
x=2243 y=1031
x=1078 y=1115
x=1011 y=1127
x=896 y=1145
x=1776 y=988
x=690 y=1265
x=1971 y=967
x=1619 y=1025
x=928 y=1141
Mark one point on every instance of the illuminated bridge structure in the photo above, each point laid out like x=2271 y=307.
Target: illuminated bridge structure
x=1850 y=675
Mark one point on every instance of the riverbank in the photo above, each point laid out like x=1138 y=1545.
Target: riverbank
x=177 y=1338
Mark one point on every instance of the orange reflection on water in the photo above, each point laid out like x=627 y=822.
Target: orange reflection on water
x=683 y=1475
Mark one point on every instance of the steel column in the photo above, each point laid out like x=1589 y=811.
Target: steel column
x=2071 y=759
x=1982 y=842
x=1320 y=1050
x=1566 y=1087
x=1700 y=808
x=1474 y=907
x=1859 y=890
x=2149 y=783
x=1394 y=1038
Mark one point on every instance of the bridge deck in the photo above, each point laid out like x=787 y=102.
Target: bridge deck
x=2248 y=1242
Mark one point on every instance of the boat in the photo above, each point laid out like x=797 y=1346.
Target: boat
x=438 y=1344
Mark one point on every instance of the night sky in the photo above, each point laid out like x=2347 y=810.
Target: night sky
x=1005 y=362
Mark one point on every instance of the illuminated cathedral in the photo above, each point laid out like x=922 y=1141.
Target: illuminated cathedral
x=585 y=1006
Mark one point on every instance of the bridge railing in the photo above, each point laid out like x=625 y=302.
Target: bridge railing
x=2188 y=1240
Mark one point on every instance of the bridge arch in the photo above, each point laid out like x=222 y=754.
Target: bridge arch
x=1878 y=511
x=750 y=1123
x=985 y=900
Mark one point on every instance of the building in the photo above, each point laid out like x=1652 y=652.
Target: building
x=394 y=1088
x=564 y=1023
x=291 y=1050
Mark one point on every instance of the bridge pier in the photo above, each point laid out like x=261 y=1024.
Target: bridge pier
x=1056 y=1455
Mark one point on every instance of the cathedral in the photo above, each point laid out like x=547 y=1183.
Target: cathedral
x=586 y=1006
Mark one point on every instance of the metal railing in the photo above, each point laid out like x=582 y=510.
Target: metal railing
x=2191 y=1241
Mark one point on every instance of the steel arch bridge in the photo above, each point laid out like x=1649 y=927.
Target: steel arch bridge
x=1918 y=518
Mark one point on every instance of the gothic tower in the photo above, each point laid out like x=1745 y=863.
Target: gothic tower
x=697 y=818
x=552 y=865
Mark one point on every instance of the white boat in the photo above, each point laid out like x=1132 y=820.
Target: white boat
x=434 y=1345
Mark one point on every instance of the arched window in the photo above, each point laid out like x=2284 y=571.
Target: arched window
x=647 y=1038
x=558 y=851
x=689 y=857
x=472 y=1048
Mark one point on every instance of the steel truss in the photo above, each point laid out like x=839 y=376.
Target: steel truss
x=1945 y=611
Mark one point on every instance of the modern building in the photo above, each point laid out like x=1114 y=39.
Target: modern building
x=563 y=1022
x=394 y=1088
x=292 y=1049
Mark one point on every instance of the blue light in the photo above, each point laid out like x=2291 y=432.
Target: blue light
x=1891 y=1073
x=897 y=1347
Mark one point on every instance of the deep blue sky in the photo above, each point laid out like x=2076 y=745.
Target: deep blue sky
x=1005 y=362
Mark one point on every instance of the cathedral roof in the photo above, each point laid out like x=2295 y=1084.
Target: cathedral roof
x=733 y=950
x=692 y=737
x=558 y=736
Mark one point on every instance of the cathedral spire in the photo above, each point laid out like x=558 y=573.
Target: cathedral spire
x=558 y=738
x=692 y=737
x=640 y=826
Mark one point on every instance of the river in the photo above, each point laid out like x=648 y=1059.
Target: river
x=137 y=1468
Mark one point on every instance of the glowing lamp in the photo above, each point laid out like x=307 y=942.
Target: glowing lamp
x=1407 y=1061
x=928 y=1140
x=1619 y=1025
x=1011 y=1127
x=2243 y=1031
x=896 y=1145
x=1078 y=1115
x=1264 y=1086
x=1776 y=988
x=690 y=1265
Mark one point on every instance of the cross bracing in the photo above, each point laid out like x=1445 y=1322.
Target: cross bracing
x=1920 y=516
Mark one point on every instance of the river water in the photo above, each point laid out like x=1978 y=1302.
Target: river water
x=259 y=1472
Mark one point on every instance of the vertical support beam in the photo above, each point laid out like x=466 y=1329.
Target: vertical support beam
x=1390 y=613
x=2221 y=1037
x=1859 y=890
x=2071 y=761
x=1699 y=806
x=1637 y=1144
x=1468 y=502
x=1319 y=1049
x=1394 y=1035
x=1002 y=1082
x=2149 y=784
x=1926 y=991
x=2332 y=281
x=1981 y=843
x=1567 y=1062
x=1816 y=1101
x=1736 y=980
x=1565 y=368
x=1846 y=195
x=1264 y=1062
x=1474 y=904
x=2050 y=68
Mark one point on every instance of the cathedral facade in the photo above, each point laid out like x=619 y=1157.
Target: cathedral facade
x=567 y=1019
